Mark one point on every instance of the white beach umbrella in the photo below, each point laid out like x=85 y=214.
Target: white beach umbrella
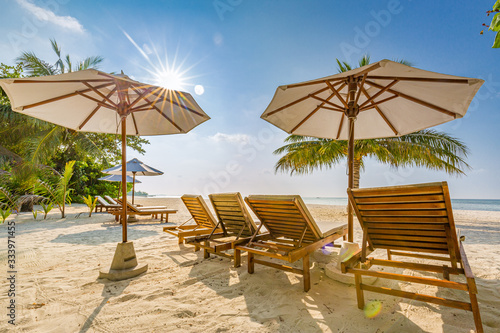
x=118 y=178
x=94 y=101
x=383 y=99
x=134 y=167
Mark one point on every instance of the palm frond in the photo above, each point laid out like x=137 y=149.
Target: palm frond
x=35 y=66
x=304 y=154
x=365 y=60
x=343 y=66
x=91 y=62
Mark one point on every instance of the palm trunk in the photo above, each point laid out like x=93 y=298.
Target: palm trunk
x=357 y=166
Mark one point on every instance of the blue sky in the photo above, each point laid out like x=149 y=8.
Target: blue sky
x=239 y=51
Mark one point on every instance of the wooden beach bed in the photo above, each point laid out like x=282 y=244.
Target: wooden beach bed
x=235 y=226
x=200 y=214
x=413 y=221
x=292 y=234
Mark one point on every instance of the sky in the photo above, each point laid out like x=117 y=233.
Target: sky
x=231 y=55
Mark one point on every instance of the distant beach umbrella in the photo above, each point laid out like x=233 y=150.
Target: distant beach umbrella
x=118 y=178
x=95 y=101
x=383 y=99
x=134 y=167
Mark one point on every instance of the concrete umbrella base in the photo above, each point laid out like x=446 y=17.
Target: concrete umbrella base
x=124 y=265
x=333 y=271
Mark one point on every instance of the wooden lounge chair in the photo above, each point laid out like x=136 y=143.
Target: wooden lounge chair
x=293 y=233
x=412 y=221
x=154 y=211
x=205 y=221
x=235 y=226
x=103 y=204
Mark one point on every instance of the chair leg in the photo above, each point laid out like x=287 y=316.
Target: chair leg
x=196 y=248
x=307 y=275
x=359 y=291
x=237 y=258
x=475 y=312
x=251 y=264
x=206 y=255
x=389 y=256
x=181 y=240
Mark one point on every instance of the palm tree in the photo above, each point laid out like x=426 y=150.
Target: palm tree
x=35 y=66
x=426 y=148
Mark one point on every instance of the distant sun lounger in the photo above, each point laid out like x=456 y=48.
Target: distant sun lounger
x=292 y=234
x=200 y=214
x=235 y=226
x=412 y=221
x=111 y=200
x=153 y=211
x=103 y=204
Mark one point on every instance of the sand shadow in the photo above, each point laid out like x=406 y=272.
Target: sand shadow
x=488 y=297
x=110 y=289
x=98 y=237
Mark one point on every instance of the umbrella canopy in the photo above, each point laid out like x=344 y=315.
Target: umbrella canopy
x=94 y=101
x=90 y=101
x=383 y=99
x=134 y=166
x=118 y=178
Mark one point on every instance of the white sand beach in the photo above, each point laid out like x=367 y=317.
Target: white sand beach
x=57 y=289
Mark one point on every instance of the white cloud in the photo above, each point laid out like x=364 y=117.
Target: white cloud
x=231 y=138
x=45 y=15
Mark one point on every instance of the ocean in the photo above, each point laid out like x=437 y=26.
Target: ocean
x=457 y=204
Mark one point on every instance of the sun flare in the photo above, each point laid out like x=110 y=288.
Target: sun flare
x=170 y=79
x=171 y=73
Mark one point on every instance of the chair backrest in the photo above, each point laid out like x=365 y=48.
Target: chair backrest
x=132 y=208
x=285 y=216
x=233 y=214
x=199 y=210
x=111 y=200
x=102 y=201
x=415 y=218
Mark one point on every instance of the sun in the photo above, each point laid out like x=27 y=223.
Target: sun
x=170 y=79
x=171 y=73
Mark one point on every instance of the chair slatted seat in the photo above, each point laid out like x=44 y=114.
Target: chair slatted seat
x=292 y=234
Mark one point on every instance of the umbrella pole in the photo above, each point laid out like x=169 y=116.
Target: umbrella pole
x=124 y=179
x=133 y=188
x=350 y=162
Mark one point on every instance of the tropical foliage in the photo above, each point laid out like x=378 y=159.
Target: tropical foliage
x=58 y=193
x=91 y=202
x=32 y=149
x=427 y=148
x=495 y=23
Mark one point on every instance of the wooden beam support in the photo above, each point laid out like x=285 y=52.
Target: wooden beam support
x=95 y=110
x=416 y=100
x=408 y=278
x=296 y=101
x=387 y=121
x=380 y=92
x=418 y=297
x=58 y=98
